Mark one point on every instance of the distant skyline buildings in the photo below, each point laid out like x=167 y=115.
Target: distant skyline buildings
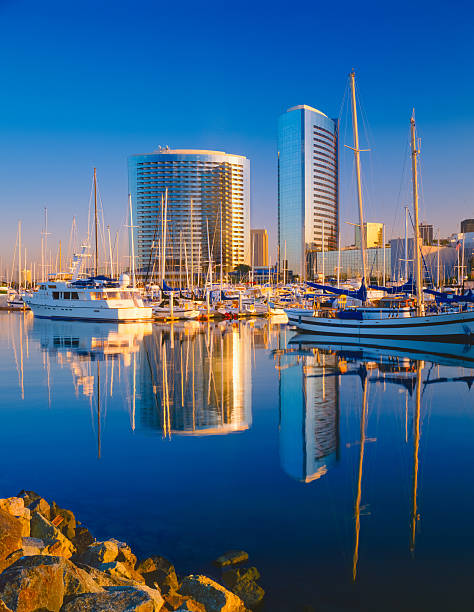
x=308 y=187
x=187 y=200
x=259 y=247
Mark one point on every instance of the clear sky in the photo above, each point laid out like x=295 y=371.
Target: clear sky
x=88 y=83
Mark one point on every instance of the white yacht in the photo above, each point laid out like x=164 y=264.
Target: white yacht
x=92 y=299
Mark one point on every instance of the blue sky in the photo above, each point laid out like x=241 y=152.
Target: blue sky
x=86 y=84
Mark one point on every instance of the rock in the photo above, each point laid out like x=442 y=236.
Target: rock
x=40 y=505
x=174 y=601
x=42 y=583
x=11 y=533
x=31 y=545
x=57 y=543
x=121 y=571
x=249 y=592
x=82 y=539
x=232 y=557
x=99 y=552
x=233 y=575
x=3 y=607
x=28 y=496
x=15 y=506
x=213 y=596
x=117 y=599
x=160 y=571
x=67 y=526
x=242 y=582
x=125 y=554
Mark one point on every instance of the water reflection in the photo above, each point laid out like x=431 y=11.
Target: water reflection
x=196 y=380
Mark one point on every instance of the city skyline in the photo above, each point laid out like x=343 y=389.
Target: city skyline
x=88 y=91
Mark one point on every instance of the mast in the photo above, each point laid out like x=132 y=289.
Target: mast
x=437 y=265
x=357 y=151
x=132 y=243
x=406 y=244
x=222 y=263
x=414 y=168
x=322 y=249
x=96 y=265
x=383 y=246
x=19 y=256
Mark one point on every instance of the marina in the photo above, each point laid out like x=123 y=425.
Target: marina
x=140 y=419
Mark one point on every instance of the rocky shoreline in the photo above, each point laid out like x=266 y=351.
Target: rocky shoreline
x=50 y=562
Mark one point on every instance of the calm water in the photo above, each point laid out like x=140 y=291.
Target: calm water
x=346 y=475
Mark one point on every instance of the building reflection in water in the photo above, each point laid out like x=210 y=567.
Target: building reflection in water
x=196 y=379
x=309 y=412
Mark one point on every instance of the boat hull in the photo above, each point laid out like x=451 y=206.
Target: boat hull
x=85 y=313
x=451 y=327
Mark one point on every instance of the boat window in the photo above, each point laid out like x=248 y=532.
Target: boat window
x=113 y=295
x=43 y=287
x=55 y=295
x=74 y=295
x=97 y=295
x=52 y=286
x=67 y=295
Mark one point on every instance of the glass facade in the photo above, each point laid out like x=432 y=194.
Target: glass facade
x=307 y=187
x=351 y=263
x=204 y=190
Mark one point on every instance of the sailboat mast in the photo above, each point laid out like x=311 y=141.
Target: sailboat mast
x=414 y=169
x=132 y=242
x=363 y=237
x=96 y=266
x=19 y=256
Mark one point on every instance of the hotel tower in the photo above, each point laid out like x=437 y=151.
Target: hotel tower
x=308 y=199
x=188 y=199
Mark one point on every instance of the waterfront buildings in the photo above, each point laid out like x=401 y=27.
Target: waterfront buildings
x=350 y=263
x=307 y=187
x=373 y=235
x=186 y=200
x=426 y=233
x=259 y=247
x=467 y=226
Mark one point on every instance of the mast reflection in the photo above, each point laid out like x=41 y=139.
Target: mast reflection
x=196 y=379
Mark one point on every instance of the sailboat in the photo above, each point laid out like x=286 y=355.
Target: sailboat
x=351 y=323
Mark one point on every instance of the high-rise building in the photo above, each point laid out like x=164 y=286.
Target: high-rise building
x=373 y=235
x=259 y=247
x=467 y=226
x=426 y=234
x=307 y=187
x=198 y=196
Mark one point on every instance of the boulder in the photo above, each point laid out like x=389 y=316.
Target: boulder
x=213 y=596
x=174 y=601
x=234 y=575
x=11 y=533
x=232 y=557
x=67 y=524
x=99 y=552
x=28 y=496
x=125 y=554
x=242 y=582
x=120 y=571
x=82 y=539
x=30 y=547
x=43 y=583
x=15 y=506
x=117 y=599
x=158 y=571
x=40 y=505
x=57 y=544
x=3 y=607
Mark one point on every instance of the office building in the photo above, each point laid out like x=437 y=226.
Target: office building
x=307 y=187
x=467 y=226
x=259 y=247
x=426 y=234
x=350 y=263
x=373 y=235
x=197 y=197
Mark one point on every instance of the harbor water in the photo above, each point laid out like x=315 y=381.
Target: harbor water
x=344 y=471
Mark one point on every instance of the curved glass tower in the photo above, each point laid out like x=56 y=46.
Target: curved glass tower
x=308 y=199
x=208 y=195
